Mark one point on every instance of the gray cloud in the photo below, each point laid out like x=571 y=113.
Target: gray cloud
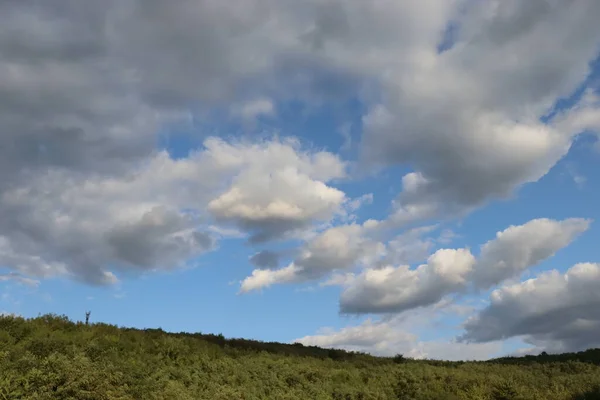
x=265 y=259
x=468 y=120
x=160 y=237
x=558 y=312
x=156 y=217
x=86 y=89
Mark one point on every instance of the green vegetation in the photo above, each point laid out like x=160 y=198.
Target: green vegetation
x=50 y=357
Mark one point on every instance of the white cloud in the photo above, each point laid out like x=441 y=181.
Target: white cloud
x=339 y=248
x=518 y=248
x=372 y=337
x=468 y=120
x=86 y=90
x=388 y=284
x=273 y=204
x=158 y=216
x=262 y=278
x=355 y=204
x=391 y=336
x=278 y=189
x=343 y=249
x=454 y=351
x=12 y=276
x=585 y=116
x=255 y=108
x=557 y=312
x=339 y=279
x=397 y=289
x=409 y=247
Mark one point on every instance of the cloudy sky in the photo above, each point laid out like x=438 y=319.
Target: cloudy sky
x=387 y=176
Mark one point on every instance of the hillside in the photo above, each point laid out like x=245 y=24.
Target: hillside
x=50 y=357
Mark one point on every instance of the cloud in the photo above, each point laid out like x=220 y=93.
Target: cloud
x=85 y=92
x=391 y=336
x=355 y=204
x=467 y=120
x=160 y=237
x=83 y=190
x=12 y=276
x=518 y=248
x=584 y=116
x=342 y=249
x=377 y=338
x=338 y=248
x=255 y=108
x=262 y=278
x=387 y=283
x=447 y=236
x=397 y=289
x=409 y=247
x=555 y=311
x=157 y=216
x=280 y=193
x=265 y=259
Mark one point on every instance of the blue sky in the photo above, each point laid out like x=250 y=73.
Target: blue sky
x=411 y=178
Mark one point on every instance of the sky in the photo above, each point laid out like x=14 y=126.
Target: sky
x=391 y=176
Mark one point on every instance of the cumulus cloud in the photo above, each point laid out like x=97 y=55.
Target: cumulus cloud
x=391 y=336
x=156 y=216
x=387 y=283
x=397 y=289
x=468 y=119
x=372 y=337
x=279 y=192
x=555 y=311
x=342 y=249
x=86 y=89
x=159 y=238
x=518 y=248
x=262 y=278
x=84 y=92
x=338 y=248
x=410 y=247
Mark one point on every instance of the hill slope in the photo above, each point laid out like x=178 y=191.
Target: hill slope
x=51 y=357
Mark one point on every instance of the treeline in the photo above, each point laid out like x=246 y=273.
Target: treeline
x=51 y=357
x=296 y=349
x=589 y=356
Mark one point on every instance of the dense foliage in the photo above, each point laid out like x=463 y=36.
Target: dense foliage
x=50 y=357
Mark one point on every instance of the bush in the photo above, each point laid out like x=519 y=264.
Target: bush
x=51 y=357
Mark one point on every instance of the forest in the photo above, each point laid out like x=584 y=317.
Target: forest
x=51 y=357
